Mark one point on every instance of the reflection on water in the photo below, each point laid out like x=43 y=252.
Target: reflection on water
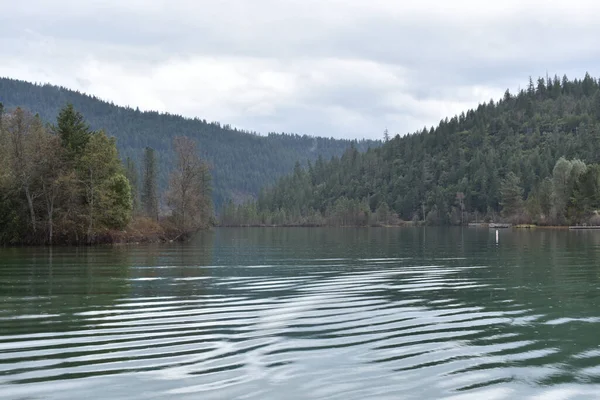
x=306 y=313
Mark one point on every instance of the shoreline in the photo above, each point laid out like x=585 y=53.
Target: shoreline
x=141 y=230
x=418 y=225
x=106 y=240
x=136 y=237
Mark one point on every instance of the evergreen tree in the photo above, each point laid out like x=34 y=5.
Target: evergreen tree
x=72 y=129
x=131 y=172
x=585 y=200
x=242 y=162
x=47 y=189
x=596 y=105
x=386 y=135
x=107 y=190
x=478 y=153
x=530 y=88
x=545 y=197
x=150 y=200
x=511 y=193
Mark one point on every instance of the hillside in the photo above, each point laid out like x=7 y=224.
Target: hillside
x=499 y=161
x=242 y=162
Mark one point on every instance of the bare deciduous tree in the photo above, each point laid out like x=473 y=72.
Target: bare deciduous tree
x=189 y=187
x=20 y=125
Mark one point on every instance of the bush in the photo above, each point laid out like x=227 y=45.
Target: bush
x=594 y=219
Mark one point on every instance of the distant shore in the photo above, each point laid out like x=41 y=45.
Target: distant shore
x=419 y=224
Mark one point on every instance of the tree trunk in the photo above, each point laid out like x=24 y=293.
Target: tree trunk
x=50 y=230
x=30 y=204
x=50 y=221
x=183 y=206
x=49 y=195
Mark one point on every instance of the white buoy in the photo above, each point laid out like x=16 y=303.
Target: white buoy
x=496 y=236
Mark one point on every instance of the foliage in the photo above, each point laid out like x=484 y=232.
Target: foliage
x=66 y=182
x=132 y=175
x=150 y=198
x=511 y=194
x=536 y=145
x=241 y=162
x=585 y=198
x=74 y=133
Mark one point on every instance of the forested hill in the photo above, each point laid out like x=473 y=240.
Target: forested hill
x=502 y=157
x=242 y=162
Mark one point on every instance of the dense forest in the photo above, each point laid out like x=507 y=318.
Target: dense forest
x=65 y=183
x=528 y=157
x=241 y=162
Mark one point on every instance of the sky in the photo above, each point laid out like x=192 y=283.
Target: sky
x=335 y=68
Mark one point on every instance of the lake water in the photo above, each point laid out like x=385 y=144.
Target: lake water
x=306 y=314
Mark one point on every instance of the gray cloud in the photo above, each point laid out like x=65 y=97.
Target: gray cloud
x=330 y=67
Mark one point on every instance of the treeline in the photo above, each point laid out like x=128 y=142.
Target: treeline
x=505 y=160
x=343 y=211
x=241 y=162
x=65 y=183
x=571 y=195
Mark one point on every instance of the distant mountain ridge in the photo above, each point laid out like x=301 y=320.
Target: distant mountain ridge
x=242 y=162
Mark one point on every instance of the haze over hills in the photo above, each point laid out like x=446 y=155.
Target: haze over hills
x=505 y=156
x=242 y=162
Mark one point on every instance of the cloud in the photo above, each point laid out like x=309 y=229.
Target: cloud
x=330 y=67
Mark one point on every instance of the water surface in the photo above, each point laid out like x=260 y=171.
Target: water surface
x=306 y=314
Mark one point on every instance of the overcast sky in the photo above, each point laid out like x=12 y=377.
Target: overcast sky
x=342 y=68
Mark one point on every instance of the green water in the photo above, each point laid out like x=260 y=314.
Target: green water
x=306 y=314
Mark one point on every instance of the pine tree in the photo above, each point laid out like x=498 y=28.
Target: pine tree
x=107 y=191
x=585 y=199
x=565 y=84
x=530 y=88
x=511 y=194
x=386 y=135
x=72 y=129
x=131 y=173
x=150 y=184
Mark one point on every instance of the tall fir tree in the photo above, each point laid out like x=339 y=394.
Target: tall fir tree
x=48 y=185
x=72 y=129
x=131 y=172
x=150 y=200
x=511 y=193
x=386 y=135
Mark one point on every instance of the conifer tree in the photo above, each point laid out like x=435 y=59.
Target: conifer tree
x=72 y=129
x=49 y=185
x=150 y=184
x=131 y=173
x=511 y=193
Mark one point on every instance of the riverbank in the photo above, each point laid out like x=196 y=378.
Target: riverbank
x=533 y=226
x=398 y=225
x=146 y=230
x=419 y=224
x=139 y=230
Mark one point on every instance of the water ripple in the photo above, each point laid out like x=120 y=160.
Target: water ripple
x=328 y=328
